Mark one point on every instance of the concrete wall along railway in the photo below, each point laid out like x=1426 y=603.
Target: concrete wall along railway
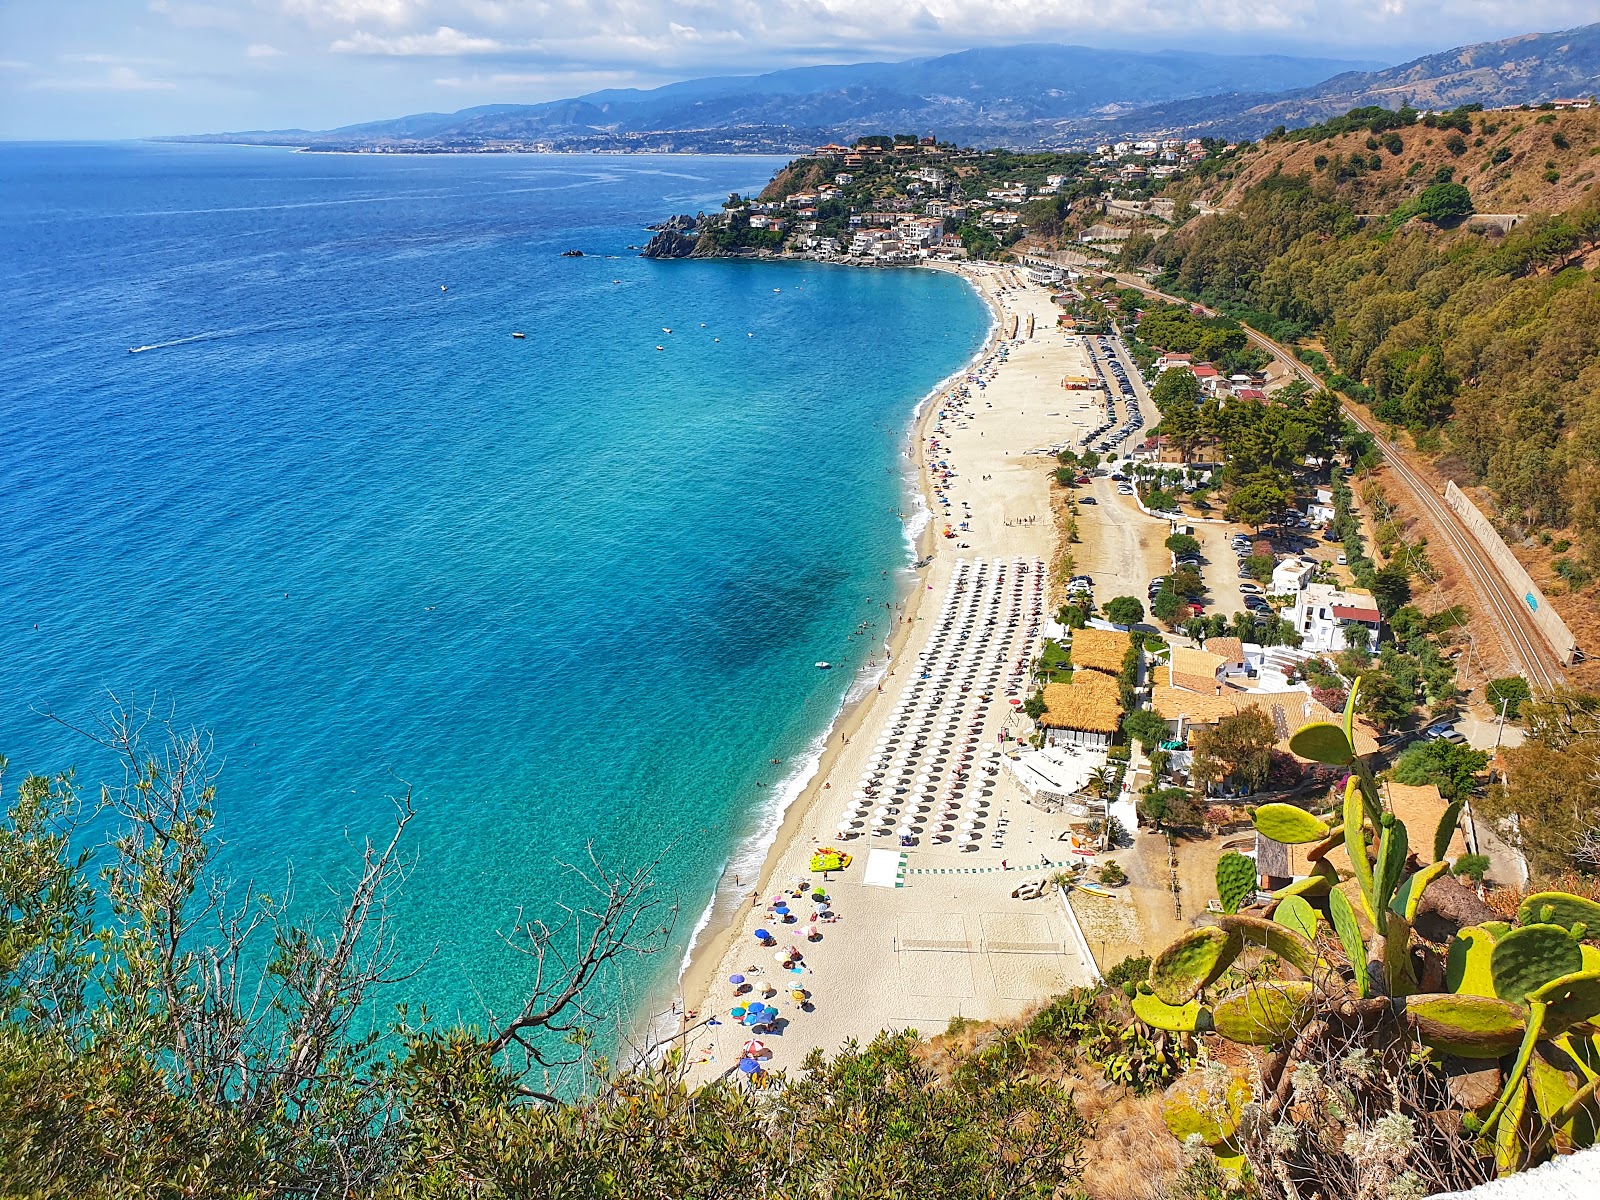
x=1533 y=600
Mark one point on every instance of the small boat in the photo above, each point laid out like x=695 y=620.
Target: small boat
x=1095 y=889
x=660 y=347
x=519 y=335
x=824 y=666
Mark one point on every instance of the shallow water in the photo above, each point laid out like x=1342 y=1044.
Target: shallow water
x=570 y=588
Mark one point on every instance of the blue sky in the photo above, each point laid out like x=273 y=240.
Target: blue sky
x=127 y=68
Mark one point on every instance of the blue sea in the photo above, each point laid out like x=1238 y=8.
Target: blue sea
x=568 y=588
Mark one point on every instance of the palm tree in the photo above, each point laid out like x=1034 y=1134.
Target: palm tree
x=1100 y=781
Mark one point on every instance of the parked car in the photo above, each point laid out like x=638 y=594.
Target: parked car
x=1250 y=588
x=1342 y=560
x=1088 y=500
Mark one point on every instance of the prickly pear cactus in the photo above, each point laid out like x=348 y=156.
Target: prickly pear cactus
x=1236 y=880
x=1525 y=997
x=1289 y=823
x=1194 y=961
x=1531 y=956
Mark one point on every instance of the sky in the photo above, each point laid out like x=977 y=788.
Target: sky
x=129 y=68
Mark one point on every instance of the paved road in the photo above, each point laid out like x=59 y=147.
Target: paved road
x=1499 y=600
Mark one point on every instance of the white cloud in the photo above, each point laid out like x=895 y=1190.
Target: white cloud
x=351 y=12
x=262 y=50
x=442 y=42
x=118 y=79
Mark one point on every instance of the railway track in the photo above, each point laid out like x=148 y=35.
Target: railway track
x=1498 y=600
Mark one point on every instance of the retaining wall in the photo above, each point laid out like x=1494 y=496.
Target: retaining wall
x=1533 y=600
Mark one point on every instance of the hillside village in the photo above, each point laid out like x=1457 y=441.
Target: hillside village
x=903 y=200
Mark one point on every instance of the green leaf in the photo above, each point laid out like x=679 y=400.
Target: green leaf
x=1289 y=823
x=1322 y=742
x=1320 y=882
x=1236 y=880
x=1294 y=913
x=1391 y=861
x=1569 y=1000
x=1350 y=711
x=1355 y=949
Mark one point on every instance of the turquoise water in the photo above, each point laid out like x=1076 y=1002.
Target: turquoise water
x=570 y=588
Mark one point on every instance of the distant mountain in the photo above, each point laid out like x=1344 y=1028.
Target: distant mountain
x=1522 y=70
x=1014 y=94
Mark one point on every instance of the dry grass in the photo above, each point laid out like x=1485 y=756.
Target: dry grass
x=1132 y=1156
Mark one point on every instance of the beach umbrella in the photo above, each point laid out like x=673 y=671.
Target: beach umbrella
x=735 y=978
x=763 y=936
x=749 y=1066
x=754 y=1048
x=738 y=1012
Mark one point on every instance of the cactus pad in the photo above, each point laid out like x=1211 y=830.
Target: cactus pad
x=1322 y=742
x=1355 y=949
x=1189 y=1110
x=1446 y=830
x=1355 y=840
x=1263 y=1014
x=1410 y=894
x=1236 y=880
x=1568 y=1001
x=1294 y=913
x=1320 y=882
x=1391 y=861
x=1333 y=841
x=1289 y=823
x=1526 y=959
x=1466 y=967
x=1158 y=1014
x=1285 y=943
x=1467 y=1026
x=1566 y=910
x=1196 y=959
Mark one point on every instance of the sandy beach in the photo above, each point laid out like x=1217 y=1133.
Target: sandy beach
x=921 y=930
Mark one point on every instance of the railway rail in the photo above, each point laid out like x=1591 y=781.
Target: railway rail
x=1498 y=599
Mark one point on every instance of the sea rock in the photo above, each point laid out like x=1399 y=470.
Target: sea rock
x=669 y=243
x=682 y=223
x=572 y=254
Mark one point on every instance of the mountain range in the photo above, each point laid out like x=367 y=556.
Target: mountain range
x=1024 y=96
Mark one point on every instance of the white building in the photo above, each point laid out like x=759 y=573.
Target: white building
x=1320 y=510
x=1291 y=575
x=1329 y=620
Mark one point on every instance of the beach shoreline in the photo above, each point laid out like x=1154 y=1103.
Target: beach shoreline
x=928 y=927
x=713 y=934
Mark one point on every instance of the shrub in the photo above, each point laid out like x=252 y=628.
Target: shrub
x=1511 y=691
x=1112 y=875
x=1472 y=866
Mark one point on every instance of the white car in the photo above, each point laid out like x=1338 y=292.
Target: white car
x=1251 y=589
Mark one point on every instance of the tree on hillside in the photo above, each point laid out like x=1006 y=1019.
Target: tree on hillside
x=1237 y=747
x=1391 y=588
x=1254 y=504
x=1441 y=202
x=1549 y=803
x=1145 y=727
x=1382 y=700
x=1452 y=769
x=1124 y=610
